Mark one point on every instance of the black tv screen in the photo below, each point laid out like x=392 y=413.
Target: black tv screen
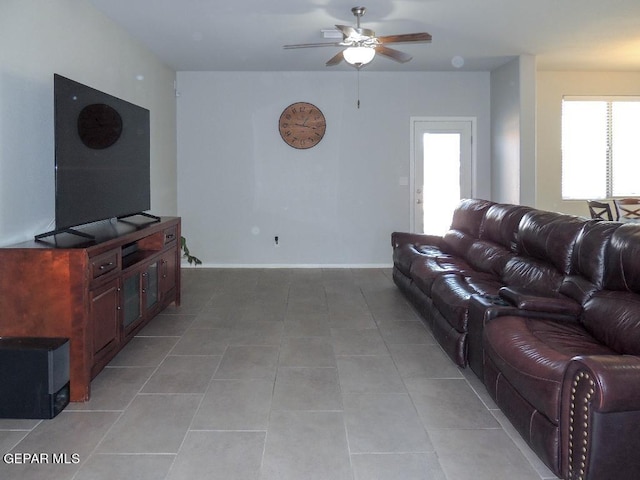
x=102 y=155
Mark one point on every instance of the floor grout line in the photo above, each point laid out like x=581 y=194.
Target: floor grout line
x=362 y=300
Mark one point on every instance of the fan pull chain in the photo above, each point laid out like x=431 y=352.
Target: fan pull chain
x=358 y=87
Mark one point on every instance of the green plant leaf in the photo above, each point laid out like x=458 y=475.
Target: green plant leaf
x=187 y=254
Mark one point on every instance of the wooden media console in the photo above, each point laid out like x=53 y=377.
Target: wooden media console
x=98 y=293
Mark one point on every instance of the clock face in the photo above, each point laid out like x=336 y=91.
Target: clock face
x=99 y=126
x=302 y=125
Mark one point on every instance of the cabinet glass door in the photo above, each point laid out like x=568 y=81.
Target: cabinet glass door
x=131 y=296
x=151 y=288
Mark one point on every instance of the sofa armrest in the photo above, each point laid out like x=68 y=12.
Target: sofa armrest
x=615 y=380
x=403 y=238
x=600 y=417
x=536 y=303
x=482 y=309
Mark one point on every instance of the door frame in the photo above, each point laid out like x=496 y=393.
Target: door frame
x=412 y=158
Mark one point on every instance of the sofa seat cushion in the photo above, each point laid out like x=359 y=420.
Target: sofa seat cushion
x=405 y=255
x=429 y=250
x=451 y=294
x=485 y=285
x=533 y=354
x=425 y=270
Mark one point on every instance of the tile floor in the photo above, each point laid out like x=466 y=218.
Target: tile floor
x=278 y=375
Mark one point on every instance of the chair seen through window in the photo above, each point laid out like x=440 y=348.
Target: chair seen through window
x=628 y=209
x=600 y=210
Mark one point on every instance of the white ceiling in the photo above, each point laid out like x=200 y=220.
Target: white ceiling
x=232 y=35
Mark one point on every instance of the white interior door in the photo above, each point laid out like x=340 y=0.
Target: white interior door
x=442 y=171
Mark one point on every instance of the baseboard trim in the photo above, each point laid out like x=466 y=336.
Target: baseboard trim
x=290 y=266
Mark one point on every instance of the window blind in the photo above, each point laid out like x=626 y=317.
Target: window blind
x=600 y=147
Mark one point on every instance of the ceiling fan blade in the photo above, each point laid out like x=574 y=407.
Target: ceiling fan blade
x=396 y=55
x=310 y=45
x=346 y=30
x=406 y=37
x=335 y=60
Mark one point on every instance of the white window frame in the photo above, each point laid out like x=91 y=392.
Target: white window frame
x=609 y=190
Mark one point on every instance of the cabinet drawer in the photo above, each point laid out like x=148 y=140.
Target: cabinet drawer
x=170 y=235
x=105 y=263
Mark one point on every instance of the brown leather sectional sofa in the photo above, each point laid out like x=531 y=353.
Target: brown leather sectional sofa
x=545 y=309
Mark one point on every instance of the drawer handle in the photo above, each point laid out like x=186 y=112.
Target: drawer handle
x=106 y=265
x=170 y=236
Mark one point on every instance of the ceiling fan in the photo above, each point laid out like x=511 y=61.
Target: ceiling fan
x=362 y=44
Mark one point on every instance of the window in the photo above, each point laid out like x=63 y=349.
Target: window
x=600 y=147
x=441 y=180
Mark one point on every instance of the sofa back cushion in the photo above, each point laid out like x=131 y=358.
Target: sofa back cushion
x=612 y=315
x=550 y=237
x=488 y=257
x=497 y=242
x=532 y=275
x=469 y=215
x=588 y=261
x=501 y=223
x=457 y=243
x=613 y=318
x=623 y=259
x=466 y=225
x=545 y=244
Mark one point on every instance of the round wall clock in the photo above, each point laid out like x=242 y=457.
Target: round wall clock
x=302 y=125
x=99 y=126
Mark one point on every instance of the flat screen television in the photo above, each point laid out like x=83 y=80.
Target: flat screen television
x=102 y=156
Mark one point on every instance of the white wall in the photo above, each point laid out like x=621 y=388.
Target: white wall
x=551 y=87
x=240 y=185
x=528 y=152
x=70 y=37
x=513 y=107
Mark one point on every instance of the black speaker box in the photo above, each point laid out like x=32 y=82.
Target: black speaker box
x=34 y=377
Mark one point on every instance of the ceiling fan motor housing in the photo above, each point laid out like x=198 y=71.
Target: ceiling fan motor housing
x=358 y=11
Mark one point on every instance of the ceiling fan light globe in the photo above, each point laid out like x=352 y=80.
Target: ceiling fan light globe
x=359 y=55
